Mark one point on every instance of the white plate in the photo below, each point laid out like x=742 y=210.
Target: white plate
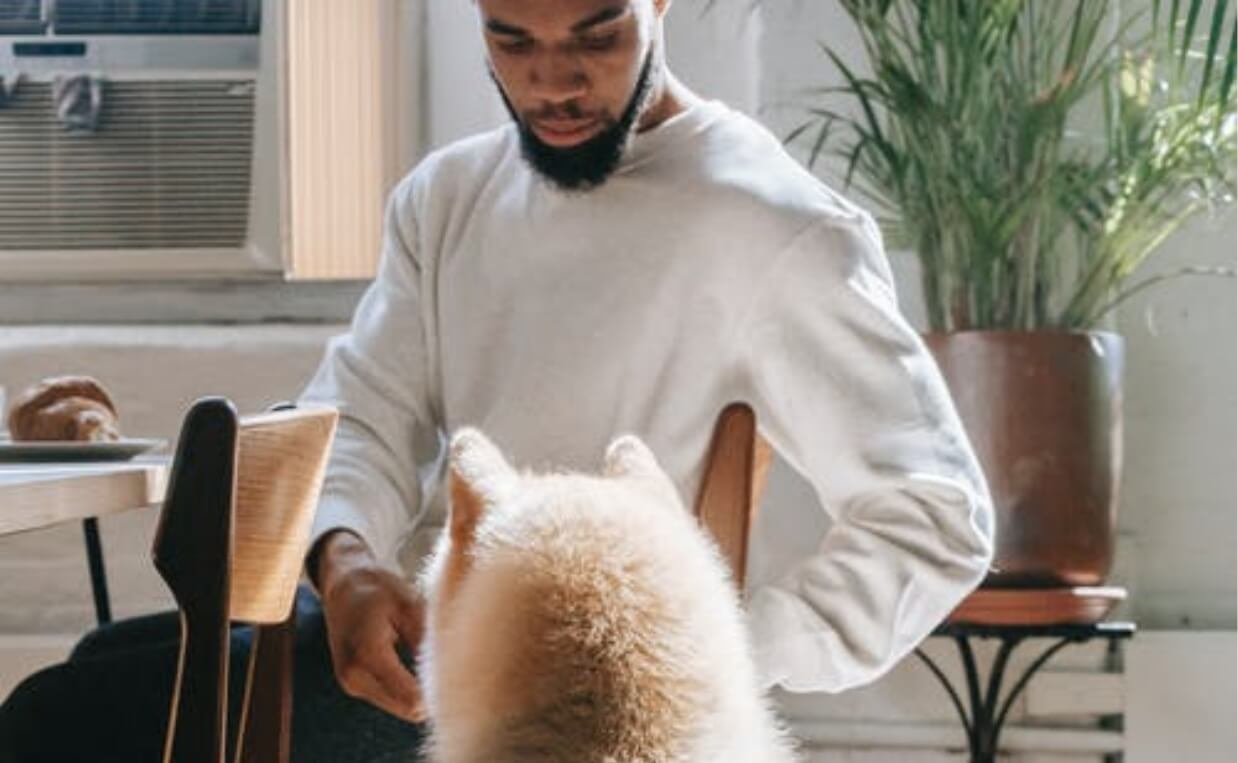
x=54 y=450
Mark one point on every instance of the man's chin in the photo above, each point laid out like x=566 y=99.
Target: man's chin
x=579 y=160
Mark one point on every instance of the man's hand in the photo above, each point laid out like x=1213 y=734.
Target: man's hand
x=369 y=612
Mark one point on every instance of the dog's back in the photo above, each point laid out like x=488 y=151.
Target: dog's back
x=590 y=621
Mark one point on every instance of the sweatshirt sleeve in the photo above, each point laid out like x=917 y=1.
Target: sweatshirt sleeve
x=388 y=442
x=847 y=393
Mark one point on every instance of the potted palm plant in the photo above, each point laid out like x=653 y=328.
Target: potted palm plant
x=1034 y=155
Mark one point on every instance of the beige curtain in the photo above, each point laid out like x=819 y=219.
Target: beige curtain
x=351 y=128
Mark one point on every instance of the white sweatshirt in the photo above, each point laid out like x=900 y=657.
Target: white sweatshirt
x=710 y=268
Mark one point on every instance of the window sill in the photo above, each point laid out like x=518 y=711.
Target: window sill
x=219 y=301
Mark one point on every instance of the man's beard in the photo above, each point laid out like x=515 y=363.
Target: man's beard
x=587 y=165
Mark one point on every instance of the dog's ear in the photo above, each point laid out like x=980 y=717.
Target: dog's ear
x=480 y=479
x=627 y=456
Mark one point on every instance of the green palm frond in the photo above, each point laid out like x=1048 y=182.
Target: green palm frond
x=973 y=136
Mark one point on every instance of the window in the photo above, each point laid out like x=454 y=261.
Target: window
x=233 y=137
x=94 y=17
x=21 y=17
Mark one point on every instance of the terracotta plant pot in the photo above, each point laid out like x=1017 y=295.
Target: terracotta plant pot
x=1044 y=412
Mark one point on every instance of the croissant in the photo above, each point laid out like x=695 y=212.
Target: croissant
x=65 y=408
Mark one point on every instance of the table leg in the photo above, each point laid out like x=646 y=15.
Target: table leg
x=98 y=575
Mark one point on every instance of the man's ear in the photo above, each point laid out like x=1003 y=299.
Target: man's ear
x=480 y=479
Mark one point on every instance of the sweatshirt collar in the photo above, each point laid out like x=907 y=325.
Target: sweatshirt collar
x=687 y=122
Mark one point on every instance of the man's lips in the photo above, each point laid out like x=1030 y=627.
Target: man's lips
x=563 y=133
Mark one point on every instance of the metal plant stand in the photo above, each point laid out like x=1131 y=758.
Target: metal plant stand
x=988 y=709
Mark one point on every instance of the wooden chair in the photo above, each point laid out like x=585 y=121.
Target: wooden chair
x=732 y=483
x=230 y=545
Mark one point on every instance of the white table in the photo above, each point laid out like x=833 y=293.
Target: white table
x=39 y=495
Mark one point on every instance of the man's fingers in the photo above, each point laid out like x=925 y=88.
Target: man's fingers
x=410 y=706
x=399 y=684
x=385 y=693
x=364 y=686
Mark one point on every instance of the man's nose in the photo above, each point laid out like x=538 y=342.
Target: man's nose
x=557 y=77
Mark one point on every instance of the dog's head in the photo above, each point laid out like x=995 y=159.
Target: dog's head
x=557 y=597
x=485 y=488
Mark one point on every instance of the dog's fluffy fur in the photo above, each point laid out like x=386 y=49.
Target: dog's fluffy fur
x=584 y=619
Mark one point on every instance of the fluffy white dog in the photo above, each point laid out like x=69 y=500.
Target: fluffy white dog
x=584 y=619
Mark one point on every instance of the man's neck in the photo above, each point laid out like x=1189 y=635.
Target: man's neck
x=671 y=97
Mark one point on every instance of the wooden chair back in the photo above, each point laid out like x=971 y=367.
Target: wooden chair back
x=230 y=545
x=732 y=483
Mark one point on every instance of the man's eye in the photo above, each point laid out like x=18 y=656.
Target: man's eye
x=516 y=46
x=601 y=42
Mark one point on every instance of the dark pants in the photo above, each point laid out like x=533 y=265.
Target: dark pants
x=109 y=702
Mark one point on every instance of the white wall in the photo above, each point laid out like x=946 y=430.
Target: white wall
x=1178 y=489
x=461 y=99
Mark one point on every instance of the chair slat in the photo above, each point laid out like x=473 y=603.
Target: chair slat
x=732 y=484
x=282 y=460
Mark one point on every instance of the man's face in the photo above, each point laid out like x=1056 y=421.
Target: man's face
x=575 y=75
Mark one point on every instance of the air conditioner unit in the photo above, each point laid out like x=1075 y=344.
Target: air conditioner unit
x=181 y=175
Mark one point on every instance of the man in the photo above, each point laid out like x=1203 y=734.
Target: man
x=623 y=257
x=627 y=257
